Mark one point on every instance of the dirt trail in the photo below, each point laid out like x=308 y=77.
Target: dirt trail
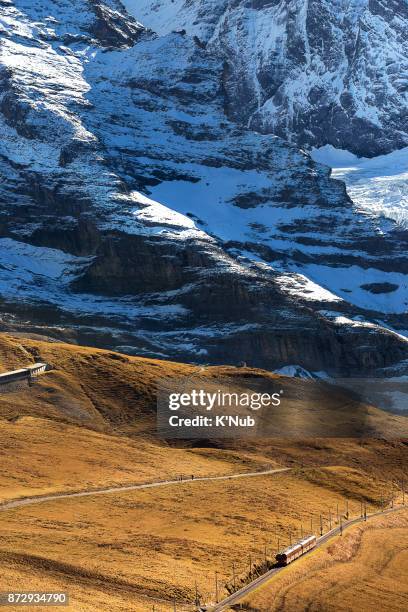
x=39 y=499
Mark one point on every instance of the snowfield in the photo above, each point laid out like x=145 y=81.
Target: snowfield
x=377 y=186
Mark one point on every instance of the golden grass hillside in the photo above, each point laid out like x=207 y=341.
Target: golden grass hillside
x=366 y=569
x=109 y=391
x=137 y=549
x=39 y=456
x=90 y=423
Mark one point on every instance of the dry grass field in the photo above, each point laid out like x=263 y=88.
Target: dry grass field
x=90 y=423
x=39 y=456
x=365 y=570
x=108 y=391
x=135 y=548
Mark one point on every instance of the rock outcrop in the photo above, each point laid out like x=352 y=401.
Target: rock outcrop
x=315 y=72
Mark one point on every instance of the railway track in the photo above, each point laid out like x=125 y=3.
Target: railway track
x=247 y=589
x=252 y=586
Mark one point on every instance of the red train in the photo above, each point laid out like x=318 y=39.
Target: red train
x=296 y=550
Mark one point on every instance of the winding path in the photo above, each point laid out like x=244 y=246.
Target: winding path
x=40 y=499
x=244 y=591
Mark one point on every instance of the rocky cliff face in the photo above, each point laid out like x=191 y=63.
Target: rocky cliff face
x=138 y=209
x=315 y=72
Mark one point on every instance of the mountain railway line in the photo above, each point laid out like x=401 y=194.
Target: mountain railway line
x=236 y=597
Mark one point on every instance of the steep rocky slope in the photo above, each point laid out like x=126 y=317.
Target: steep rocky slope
x=134 y=209
x=315 y=72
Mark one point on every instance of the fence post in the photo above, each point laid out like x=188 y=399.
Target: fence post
x=197 y=599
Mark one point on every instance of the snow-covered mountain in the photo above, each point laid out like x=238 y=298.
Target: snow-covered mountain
x=139 y=210
x=315 y=72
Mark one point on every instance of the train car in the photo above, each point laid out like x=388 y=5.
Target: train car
x=295 y=551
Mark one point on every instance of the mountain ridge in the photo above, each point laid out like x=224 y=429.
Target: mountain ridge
x=314 y=72
x=135 y=212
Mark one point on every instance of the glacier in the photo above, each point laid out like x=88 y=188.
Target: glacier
x=377 y=186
